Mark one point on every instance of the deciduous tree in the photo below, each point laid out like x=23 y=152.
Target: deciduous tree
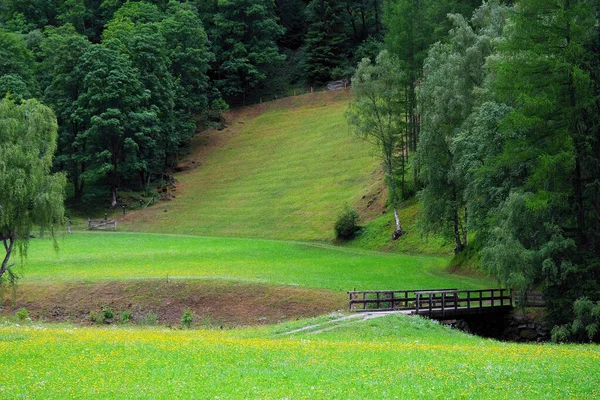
x=376 y=115
x=30 y=195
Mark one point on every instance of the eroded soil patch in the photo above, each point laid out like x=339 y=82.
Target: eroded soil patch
x=216 y=303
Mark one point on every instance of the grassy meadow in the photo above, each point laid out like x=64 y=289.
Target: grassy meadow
x=284 y=174
x=119 y=256
x=385 y=358
x=257 y=212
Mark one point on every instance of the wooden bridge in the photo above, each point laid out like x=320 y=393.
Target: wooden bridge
x=437 y=304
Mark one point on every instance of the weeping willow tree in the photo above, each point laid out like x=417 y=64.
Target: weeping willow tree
x=30 y=195
x=376 y=114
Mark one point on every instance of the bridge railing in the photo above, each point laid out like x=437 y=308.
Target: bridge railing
x=383 y=300
x=440 y=302
x=453 y=302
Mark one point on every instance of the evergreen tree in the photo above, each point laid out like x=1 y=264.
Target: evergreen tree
x=325 y=42
x=244 y=35
x=547 y=72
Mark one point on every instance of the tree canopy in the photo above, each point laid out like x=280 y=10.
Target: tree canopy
x=30 y=195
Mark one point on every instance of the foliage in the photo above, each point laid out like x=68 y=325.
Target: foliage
x=29 y=194
x=243 y=35
x=346 y=224
x=16 y=66
x=125 y=316
x=61 y=50
x=150 y=319
x=325 y=41
x=22 y=314
x=107 y=313
x=376 y=115
x=113 y=107
x=546 y=72
x=187 y=318
x=585 y=326
x=454 y=75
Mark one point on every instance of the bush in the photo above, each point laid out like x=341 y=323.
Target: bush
x=586 y=325
x=107 y=313
x=95 y=317
x=187 y=318
x=149 y=319
x=346 y=225
x=125 y=316
x=22 y=314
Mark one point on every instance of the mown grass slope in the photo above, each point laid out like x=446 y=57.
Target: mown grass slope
x=281 y=171
x=123 y=256
x=392 y=357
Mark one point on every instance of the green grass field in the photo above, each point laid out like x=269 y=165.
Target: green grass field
x=385 y=358
x=283 y=171
x=284 y=174
x=118 y=256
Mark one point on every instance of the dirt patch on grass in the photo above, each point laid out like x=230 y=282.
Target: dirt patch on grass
x=215 y=303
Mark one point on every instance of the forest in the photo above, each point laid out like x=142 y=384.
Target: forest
x=488 y=113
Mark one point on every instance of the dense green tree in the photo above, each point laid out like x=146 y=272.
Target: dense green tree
x=16 y=66
x=376 y=115
x=548 y=226
x=61 y=50
x=113 y=107
x=292 y=16
x=454 y=71
x=187 y=46
x=27 y=15
x=412 y=27
x=244 y=35
x=326 y=41
x=30 y=195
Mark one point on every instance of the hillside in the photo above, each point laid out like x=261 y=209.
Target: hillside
x=279 y=170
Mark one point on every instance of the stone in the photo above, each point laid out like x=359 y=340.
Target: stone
x=528 y=334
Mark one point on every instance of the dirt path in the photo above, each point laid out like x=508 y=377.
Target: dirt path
x=342 y=321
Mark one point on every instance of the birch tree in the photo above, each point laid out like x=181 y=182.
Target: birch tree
x=376 y=115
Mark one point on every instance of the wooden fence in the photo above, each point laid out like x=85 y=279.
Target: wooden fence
x=102 y=224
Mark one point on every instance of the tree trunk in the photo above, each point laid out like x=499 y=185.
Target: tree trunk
x=398 y=232
x=9 y=242
x=464 y=229
x=392 y=187
x=459 y=245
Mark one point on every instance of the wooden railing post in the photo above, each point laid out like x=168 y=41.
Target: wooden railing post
x=417 y=301
x=443 y=304
x=481 y=299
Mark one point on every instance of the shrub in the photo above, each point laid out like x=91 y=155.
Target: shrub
x=107 y=313
x=125 y=316
x=346 y=225
x=22 y=314
x=187 y=318
x=95 y=317
x=149 y=319
x=586 y=325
